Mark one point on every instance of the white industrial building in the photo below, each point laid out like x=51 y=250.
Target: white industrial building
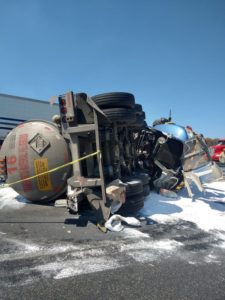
x=15 y=110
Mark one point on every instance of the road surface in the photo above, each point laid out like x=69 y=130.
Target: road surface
x=46 y=253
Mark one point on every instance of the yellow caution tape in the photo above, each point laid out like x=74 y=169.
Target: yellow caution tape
x=102 y=228
x=52 y=170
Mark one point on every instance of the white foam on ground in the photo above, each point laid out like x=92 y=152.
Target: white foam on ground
x=10 y=199
x=74 y=260
x=205 y=210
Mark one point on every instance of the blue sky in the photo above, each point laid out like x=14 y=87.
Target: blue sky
x=169 y=53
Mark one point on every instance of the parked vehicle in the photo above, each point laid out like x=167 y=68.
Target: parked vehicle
x=216 y=150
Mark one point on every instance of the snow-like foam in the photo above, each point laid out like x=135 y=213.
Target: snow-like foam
x=10 y=199
x=206 y=210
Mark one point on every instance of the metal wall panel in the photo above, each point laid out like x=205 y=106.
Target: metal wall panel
x=14 y=110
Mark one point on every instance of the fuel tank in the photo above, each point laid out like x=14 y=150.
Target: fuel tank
x=32 y=148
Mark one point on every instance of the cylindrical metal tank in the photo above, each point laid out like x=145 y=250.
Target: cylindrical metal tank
x=32 y=148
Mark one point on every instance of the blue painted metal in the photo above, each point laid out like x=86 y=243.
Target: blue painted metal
x=173 y=130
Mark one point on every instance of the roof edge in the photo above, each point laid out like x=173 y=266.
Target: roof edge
x=26 y=98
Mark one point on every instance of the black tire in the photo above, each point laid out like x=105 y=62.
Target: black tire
x=146 y=190
x=114 y=100
x=133 y=187
x=139 y=111
x=139 y=122
x=142 y=114
x=134 y=196
x=120 y=115
x=144 y=177
x=138 y=108
x=145 y=124
x=132 y=205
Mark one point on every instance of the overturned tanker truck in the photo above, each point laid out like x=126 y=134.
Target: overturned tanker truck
x=99 y=151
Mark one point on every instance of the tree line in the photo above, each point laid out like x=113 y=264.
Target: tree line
x=211 y=142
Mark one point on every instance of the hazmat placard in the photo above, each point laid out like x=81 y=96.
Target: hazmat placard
x=44 y=181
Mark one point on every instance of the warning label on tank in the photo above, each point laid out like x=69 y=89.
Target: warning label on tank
x=44 y=181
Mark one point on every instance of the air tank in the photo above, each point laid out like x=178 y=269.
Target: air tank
x=32 y=148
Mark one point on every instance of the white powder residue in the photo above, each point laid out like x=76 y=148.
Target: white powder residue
x=143 y=256
x=165 y=245
x=133 y=233
x=222 y=245
x=30 y=250
x=23 y=247
x=212 y=259
x=148 y=251
x=89 y=252
x=192 y=262
x=10 y=199
x=97 y=260
x=74 y=267
x=221 y=237
x=88 y=266
x=62 y=248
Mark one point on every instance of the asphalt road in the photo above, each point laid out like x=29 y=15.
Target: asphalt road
x=46 y=253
